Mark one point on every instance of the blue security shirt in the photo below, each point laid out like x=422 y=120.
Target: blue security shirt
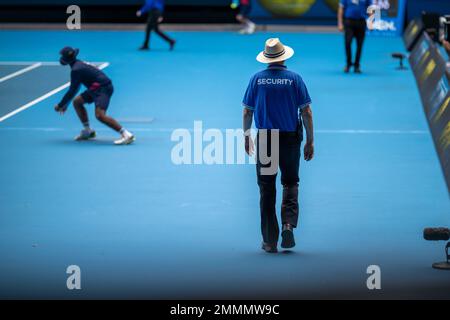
x=276 y=95
x=152 y=4
x=355 y=9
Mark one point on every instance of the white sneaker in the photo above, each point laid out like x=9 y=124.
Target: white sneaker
x=125 y=139
x=251 y=28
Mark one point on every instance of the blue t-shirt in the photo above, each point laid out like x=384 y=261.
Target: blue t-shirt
x=355 y=9
x=152 y=4
x=276 y=95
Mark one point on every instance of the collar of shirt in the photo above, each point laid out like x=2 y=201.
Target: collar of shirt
x=277 y=67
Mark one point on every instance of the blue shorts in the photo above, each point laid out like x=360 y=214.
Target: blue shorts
x=100 y=96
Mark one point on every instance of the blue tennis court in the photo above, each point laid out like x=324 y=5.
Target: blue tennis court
x=140 y=226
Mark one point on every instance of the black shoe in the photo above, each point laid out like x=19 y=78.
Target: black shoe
x=144 y=47
x=347 y=69
x=269 y=248
x=288 y=237
x=358 y=70
x=172 y=45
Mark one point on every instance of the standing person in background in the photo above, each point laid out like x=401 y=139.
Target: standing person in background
x=352 y=20
x=155 y=9
x=244 y=10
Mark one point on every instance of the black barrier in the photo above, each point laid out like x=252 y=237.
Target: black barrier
x=432 y=79
x=412 y=33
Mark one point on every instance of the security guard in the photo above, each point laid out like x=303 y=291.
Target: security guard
x=276 y=97
x=155 y=9
x=352 y=20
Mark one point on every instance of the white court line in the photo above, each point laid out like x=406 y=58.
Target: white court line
x=44 y=63
x=41 y=98
x=344 y=131
x=21 y=71
x=361 y=131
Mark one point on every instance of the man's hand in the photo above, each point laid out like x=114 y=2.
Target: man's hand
x=307 y=118
x=138 y=13
x=60 y=110
x=160 y=19
x=247 y=118
x=446 y=46
x=249 y=146
x=340 y=27
x=308 y=151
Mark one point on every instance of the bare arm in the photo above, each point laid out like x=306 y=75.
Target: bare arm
x=340 y=18
x=307 y=118
x=247 y=119
x=447 y=46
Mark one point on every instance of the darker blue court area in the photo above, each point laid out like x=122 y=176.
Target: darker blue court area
x=140 y=226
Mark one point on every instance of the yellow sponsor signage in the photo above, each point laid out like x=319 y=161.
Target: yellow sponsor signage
x=441 y=109
x=428 y=70
x=444 y=140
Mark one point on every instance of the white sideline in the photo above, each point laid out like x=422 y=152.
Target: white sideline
x=44 y=63
x=41 y=98
x=21 y=71
x=319 y=131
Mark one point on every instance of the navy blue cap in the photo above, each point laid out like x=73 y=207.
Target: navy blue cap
x=68 y=55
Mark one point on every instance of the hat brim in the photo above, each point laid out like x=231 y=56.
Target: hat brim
x=288 y=53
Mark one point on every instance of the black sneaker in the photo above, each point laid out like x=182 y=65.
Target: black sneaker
x=269 y=248
x=358 y=70
x=144 y=47
x=86 y=134
x=347 y=69
x=172 y=45
x=287 y=236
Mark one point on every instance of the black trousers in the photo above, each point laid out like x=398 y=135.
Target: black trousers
x=153 y=24
x=354 y=29
x=288 y=162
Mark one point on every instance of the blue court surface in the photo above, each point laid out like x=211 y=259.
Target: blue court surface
x=140 y=226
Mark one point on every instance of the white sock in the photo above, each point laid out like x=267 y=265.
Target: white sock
x=124 y=132
x=86 y=126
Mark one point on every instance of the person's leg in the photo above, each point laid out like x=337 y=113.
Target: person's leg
x=360 y=33
x=102 y=100
x=101 y=116
x=267 y=189
x=348 y=37
x=289 y=166
x=160 y=33
x=151 y=23
x=78 y=104
x=269 y=222
x=242 y=18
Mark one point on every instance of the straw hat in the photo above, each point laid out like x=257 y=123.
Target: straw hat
x=275 y=51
